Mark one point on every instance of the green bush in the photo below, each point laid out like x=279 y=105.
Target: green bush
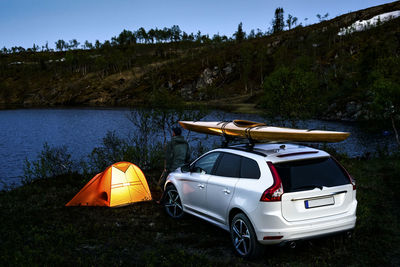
x=290 y=93
x=112 y=150
x=384 y=94
x=51 y=162
x=152 y=132
x=140 y=151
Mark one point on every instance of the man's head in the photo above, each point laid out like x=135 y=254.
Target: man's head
x=176 y=131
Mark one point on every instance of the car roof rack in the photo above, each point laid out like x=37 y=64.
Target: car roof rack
x=247 y=150
x=249 y=145
x=228 y=138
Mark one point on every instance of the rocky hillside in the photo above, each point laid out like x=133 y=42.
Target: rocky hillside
x=326 y=74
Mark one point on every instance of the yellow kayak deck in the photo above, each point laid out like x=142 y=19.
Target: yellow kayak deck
x=261 y=132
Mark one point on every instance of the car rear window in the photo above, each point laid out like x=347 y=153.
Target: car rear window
x=249 y=169
x=309 y=174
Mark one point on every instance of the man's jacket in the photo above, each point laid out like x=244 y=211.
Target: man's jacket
x=177 y=153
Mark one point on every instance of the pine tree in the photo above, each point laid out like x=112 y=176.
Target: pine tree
x=61 y=45
x=291 y=21
x=278 y=22
x=239 y=34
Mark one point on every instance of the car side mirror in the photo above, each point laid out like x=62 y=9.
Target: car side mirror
x=186 y=168
x=198 y=170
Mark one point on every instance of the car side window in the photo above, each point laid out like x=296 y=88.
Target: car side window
x=249 y=169
x=206 y=163
x=228 y=166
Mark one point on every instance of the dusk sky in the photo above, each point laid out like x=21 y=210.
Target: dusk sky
x=25 y=22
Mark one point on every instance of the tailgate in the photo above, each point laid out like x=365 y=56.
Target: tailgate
x=317 y=203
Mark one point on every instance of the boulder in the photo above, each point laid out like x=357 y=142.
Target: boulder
x=187 y=91
x=228 y=69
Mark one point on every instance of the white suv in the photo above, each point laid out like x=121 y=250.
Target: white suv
x=266 y=194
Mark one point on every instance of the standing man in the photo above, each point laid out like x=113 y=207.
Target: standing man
x=176 y=154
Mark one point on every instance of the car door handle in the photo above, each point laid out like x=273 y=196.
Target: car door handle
x=226 y=191
x=201 y=186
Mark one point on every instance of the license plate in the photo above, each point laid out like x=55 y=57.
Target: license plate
x=314 y=203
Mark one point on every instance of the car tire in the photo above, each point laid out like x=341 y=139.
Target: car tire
x=172 y=202
x=244 y=239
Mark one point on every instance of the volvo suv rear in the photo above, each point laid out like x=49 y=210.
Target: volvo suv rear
x=267 y=194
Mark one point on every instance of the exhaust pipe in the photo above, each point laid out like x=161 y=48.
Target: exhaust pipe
x=292 y=244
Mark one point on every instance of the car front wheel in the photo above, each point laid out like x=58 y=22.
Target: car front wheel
x=243 y=237
x=172 y=203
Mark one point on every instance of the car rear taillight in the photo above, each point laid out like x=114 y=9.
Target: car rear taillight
x=274 y=192
x=352 y=180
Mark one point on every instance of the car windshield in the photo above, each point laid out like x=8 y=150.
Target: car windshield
x=310 y=174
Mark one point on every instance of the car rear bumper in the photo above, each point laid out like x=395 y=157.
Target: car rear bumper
x=272 y=228
x=307 y=232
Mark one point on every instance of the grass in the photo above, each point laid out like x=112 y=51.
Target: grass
x=37 y=229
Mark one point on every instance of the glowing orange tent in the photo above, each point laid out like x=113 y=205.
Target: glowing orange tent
x=120 y=184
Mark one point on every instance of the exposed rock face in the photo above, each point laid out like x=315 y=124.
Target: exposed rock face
x=228 y=69
x=353 y=111
x=206 y=79
x=191 y=91
x=352 y=108
x=187 y=91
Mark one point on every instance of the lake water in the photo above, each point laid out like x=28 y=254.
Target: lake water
x=24 y=131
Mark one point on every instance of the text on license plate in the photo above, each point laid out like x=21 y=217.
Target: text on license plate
x=319 y=202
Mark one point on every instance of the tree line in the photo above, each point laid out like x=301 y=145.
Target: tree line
x=168 y=35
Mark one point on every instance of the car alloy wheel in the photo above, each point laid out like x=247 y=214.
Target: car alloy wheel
x=243 y=237
x=173 y=204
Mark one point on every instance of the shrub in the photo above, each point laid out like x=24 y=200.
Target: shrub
x=384 y=90
x=139 y=150
x=52 y=161
x=111 y=151
x=151 y=132
x=290 y=93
